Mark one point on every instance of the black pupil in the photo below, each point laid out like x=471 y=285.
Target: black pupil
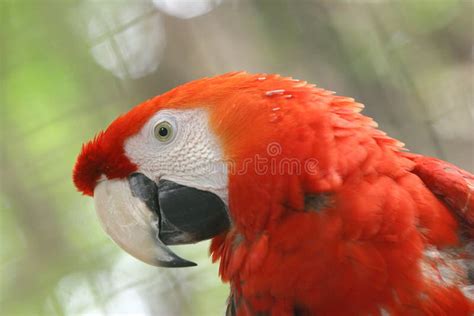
x=163 y=131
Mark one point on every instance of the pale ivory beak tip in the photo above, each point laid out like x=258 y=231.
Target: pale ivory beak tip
x=131 y=225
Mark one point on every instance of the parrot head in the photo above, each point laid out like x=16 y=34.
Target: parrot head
x=205 y=157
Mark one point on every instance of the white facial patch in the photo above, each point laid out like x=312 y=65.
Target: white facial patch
x=191 y=157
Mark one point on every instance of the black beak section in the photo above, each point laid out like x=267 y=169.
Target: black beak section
x=147 y=191
x=189 y=215
x=185 y=215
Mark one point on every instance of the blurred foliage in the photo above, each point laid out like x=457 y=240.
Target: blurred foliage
x=410 y=62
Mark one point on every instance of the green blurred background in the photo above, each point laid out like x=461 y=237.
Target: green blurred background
x=68 y=68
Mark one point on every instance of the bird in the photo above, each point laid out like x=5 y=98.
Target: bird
x=311 y=208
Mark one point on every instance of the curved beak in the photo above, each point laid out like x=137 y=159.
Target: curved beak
x=143 y=217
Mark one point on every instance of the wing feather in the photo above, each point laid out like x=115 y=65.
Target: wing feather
x=450 y=183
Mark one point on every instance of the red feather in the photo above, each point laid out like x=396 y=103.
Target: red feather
x=363 y=253
x=452 y=184
x=362 y=228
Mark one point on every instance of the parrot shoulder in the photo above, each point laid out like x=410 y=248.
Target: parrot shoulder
x=453 y=185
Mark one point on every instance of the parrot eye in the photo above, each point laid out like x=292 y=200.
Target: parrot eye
x=164 y=131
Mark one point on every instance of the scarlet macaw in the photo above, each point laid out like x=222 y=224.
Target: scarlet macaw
x=312 y=210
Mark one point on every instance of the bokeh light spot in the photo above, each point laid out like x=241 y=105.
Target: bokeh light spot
x=186 y=9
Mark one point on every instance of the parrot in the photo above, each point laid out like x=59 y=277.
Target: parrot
x=311 y=209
